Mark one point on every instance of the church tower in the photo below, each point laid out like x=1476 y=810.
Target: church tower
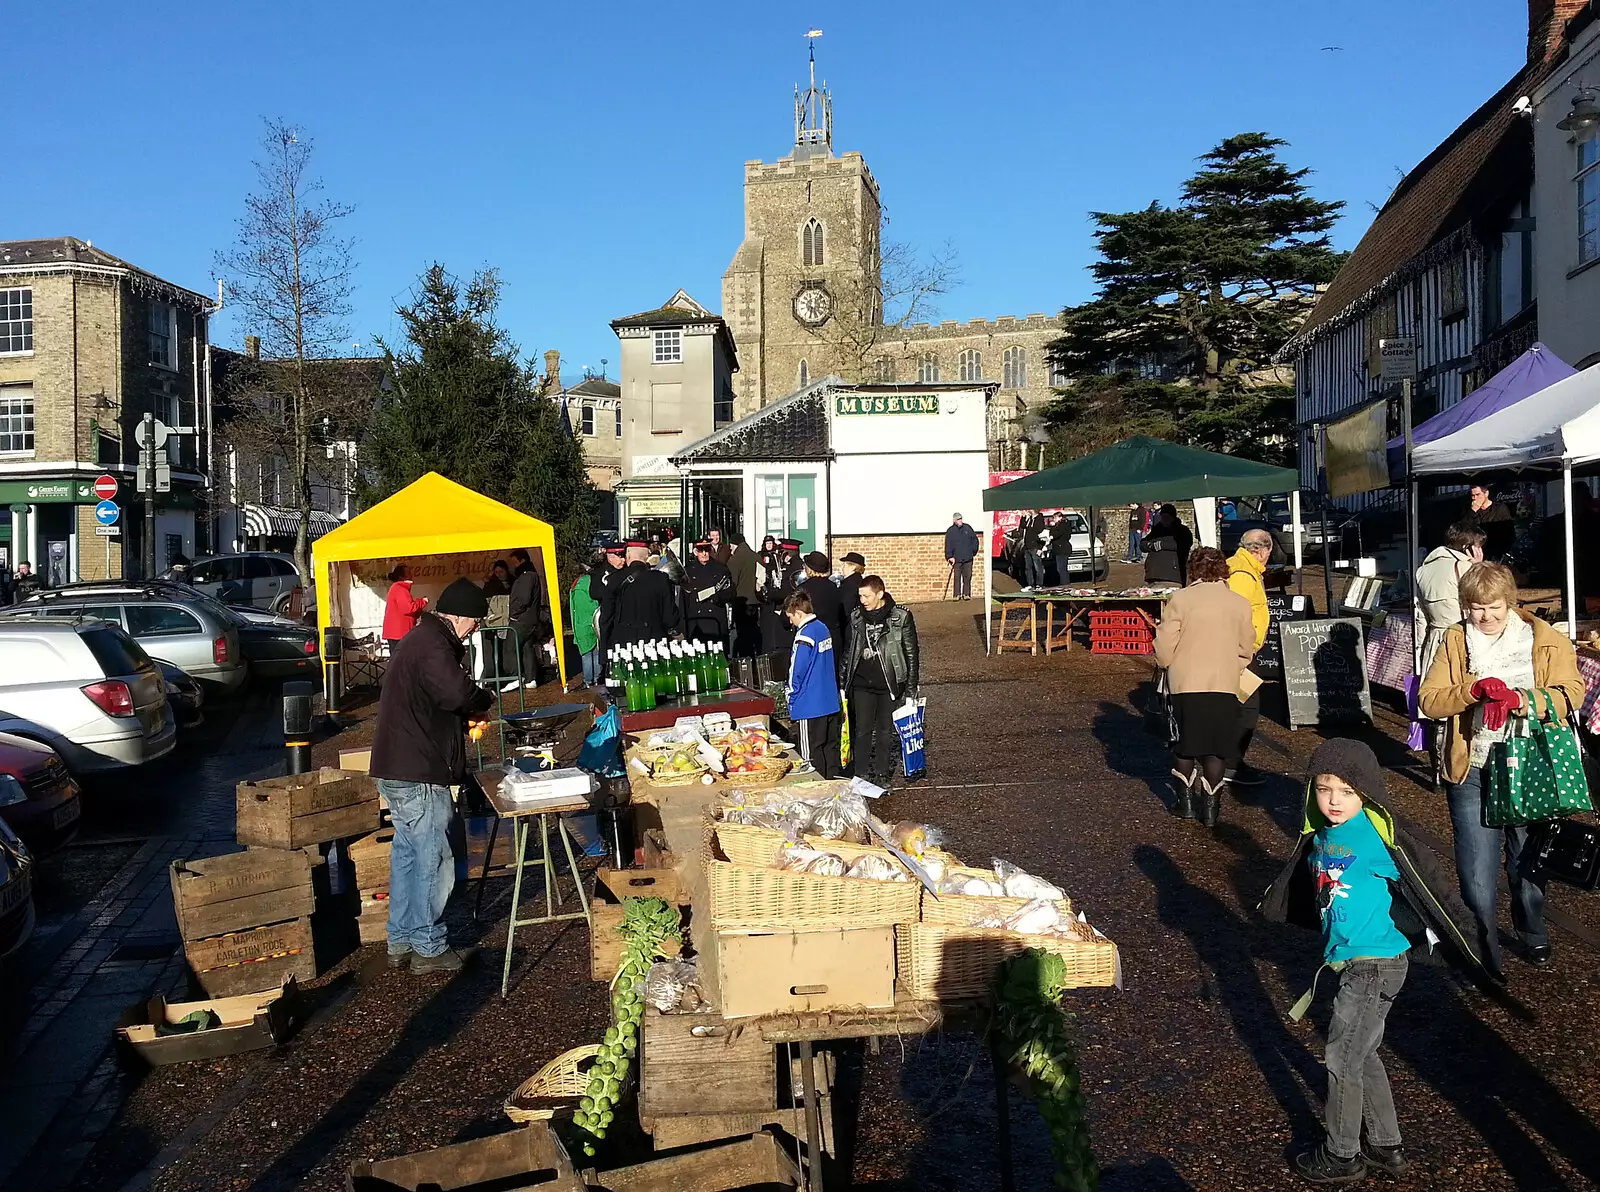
x=805 y=282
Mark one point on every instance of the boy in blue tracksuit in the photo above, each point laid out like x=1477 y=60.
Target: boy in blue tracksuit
x=813 y=688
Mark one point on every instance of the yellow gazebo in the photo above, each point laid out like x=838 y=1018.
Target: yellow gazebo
x=441 y=530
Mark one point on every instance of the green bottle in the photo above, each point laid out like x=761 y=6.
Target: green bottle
x=665 y=681
x=712 y=680
x=719 y=662
x=645 y=682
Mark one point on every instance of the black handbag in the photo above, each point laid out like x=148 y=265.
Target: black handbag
x=1563 y=849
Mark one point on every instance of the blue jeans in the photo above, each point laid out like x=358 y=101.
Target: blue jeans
x=1032 y=569
x=1478 y=852
x=1135 y=547
x=591 y=666
x=422 y=869
x=1358 y=1087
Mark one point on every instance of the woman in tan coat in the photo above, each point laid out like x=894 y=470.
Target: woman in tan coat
x=1475 y=684
x=1205 y=640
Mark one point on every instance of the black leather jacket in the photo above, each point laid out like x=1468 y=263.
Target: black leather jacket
x=902 y=659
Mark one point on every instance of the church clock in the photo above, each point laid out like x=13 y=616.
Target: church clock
x=813 y=305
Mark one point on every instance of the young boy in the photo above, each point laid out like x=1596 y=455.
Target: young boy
x=813 y=688
x=1377 y=893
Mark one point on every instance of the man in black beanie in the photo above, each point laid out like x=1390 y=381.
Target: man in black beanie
x=418 y=754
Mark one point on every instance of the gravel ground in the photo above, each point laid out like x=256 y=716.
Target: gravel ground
x=1196 y=1078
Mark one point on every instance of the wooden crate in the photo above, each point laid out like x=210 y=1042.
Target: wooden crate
x=249 y=961
x=217 y=895
x=792 y=972
x=696 y=1064
x=530 y=1157
x=370 y=858
x=611 y=886
x=372 y=923
x=302 y=809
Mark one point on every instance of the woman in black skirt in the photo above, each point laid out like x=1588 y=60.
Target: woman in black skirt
x=1205 y=640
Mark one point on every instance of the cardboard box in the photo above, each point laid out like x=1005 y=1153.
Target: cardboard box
x=249 y=1023
x=355 y=761
x=786 y=972
x=302 y=809
x=251 y=961
x=697 y=1064
x=216 y=895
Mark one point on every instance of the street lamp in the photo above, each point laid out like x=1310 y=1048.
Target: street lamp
x=1584 y=117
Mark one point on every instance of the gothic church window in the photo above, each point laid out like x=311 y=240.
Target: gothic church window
x=805 y=374
x=811 y=243
x=1014 y=368
x=928 y=369
x=970 y=365
x=884 y=370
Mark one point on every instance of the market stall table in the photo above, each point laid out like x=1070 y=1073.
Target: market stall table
x=735 y=701
x=1073 y=606
x=519 y=813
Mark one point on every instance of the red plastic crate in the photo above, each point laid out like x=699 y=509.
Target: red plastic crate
x=1124 y=634
x=1112 y=619
x=1121 y=647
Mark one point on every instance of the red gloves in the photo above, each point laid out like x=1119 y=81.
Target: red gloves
x=1498 y=700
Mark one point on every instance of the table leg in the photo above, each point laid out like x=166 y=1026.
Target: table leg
x=572 y=864
x=519 y=830
x=552 y=890
x=488 y=858
x=1033 y=626
x=808 y=1089
x=1002 y=1117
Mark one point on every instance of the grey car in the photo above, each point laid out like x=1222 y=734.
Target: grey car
x=186 y=633
x=257 y=579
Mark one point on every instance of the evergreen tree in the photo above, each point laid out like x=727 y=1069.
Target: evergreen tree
x=464 y=405
x=1205 y=291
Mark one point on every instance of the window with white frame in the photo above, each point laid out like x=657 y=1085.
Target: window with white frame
x=811 y=243
x=1014 y=368
x=970 y=365
x=16 y=418
x=928 y=369
x=16 y=320
x=1588 y=182
x=619 y=420
x=162 y=335
x=586 y=415
x=669 y=347
x=884 y=373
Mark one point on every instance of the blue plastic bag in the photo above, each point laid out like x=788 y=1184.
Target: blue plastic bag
x=908 y=723
x=602 y=753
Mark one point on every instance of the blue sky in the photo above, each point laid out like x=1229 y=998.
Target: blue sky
x=593 y=153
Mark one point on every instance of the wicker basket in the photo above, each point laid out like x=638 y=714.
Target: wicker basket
x=750 y=844
x=759 y=898
x=963 y=910
x=772 y=769
x=555 y=1088
x=950 y=963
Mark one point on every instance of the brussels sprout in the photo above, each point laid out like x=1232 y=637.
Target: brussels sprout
x=606 y=1118
x=588 y=1150
x=599 y=1131
x=586 y=1104
x=611 y=1037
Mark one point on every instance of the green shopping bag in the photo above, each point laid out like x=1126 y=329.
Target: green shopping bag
x=1536 y=773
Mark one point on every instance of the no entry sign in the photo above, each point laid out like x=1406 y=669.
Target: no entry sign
x=105 y=487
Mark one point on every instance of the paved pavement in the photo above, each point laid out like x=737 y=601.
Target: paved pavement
x=60 y=1083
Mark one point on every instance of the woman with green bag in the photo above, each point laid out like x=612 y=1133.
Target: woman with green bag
x=1480 y=680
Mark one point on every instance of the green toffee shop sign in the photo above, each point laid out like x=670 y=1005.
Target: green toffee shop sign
x=880 y=403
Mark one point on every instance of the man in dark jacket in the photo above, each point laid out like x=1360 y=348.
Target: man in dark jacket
x=960 y=548
x=646 y=605
x=783 y=580
x=529 y=615
x=1060 y=530
x=418 y=753
x=1030 y=544
x=746 y=622
x=1167 y=549
x=849 y=593
x=825 y=602
x=603 y=587
x=25 y=583
x=882 y=666
x=707 y=596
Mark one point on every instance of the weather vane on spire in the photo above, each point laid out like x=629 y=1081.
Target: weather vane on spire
x=813 y=111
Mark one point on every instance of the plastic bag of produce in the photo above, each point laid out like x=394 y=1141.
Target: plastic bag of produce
x=669 y=984
x=878 y=869
x=914 y=838
x=976 y=887
x=839 y=815
x=798 y=858
x=1019 y=884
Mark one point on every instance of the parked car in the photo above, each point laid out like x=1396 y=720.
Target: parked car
x=185 y=695
x=88 y=690
x=1078 y=562
x=257 y=579
x=165 y=619
x=275 y=647
x=38 y=797
x=16 y=891
x=1276 y=515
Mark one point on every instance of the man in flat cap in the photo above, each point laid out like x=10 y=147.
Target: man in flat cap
x=707 y=596
x=646 y=605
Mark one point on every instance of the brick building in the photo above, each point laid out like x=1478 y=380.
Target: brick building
x=88 y=345
x=804 y=293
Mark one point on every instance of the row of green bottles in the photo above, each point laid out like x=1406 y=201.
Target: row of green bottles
x=649 y=672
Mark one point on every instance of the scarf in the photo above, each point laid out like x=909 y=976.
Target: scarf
x=1508 y=658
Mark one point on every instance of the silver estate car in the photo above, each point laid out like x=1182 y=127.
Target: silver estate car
x=86 y=689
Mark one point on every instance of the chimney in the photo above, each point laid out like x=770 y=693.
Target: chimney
x=252 y=346
x=552 y=371
x=1547 y=22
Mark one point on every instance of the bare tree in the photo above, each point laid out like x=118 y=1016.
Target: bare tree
x=878 y=304
x=290 y=273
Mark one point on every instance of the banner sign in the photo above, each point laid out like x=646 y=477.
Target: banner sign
x=879 y=403
x=1005 y=520
x=1358 y=452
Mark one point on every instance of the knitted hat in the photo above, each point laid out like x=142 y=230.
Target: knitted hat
x=462 y=598
x=1350 y=760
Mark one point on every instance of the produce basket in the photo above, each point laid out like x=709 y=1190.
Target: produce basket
x=751 y=844
x=947 y=963
x=963 y=910
x=670 y=777
x=760 y=898
x=553 y=1089
x=771 y=769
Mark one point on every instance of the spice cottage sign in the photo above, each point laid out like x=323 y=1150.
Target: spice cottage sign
x=880 y=403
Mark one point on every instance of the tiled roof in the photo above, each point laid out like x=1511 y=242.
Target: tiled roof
x=69 y=250
x=793 y=427
x=594 y=387
x=1481 y=162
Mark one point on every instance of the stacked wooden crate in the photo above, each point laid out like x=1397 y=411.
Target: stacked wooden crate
x=370 y=858
x=245 y=918
x=306 y=809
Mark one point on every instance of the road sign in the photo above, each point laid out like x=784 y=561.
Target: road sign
x=105 y=487
x=108 y=531
x=161 y=432
x=106 y=513
x=163 y=478
x=1399 y=355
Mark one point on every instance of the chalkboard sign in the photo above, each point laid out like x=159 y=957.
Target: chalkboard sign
x=1269 y=658
x=1325 y=671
